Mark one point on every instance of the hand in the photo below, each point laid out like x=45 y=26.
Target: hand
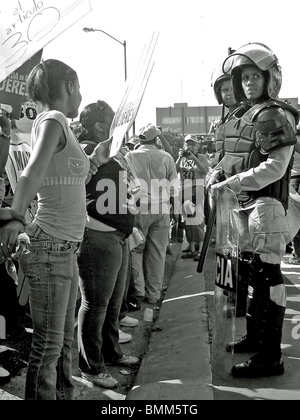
x=214 y=178
x=22 y=246
x=7 y=214
x=218 y=186
x=100 y=156
x=9 y=237
x=4 y=123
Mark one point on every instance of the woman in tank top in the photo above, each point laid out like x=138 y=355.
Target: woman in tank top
x=56 y=173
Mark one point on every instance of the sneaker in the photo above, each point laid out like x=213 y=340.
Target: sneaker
x=197 y=257
x=124 y=338
x=189 y=255
x=4 y=375
x=243 y=345
x=133 y=306
x=257 y=367
x=129 y=322
x=125 y=360
x=103 y=379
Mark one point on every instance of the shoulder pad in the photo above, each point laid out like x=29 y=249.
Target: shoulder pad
x=272 y=127
x=250 y=116
x=290 y=108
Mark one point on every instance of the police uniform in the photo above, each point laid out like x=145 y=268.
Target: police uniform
x=258 y=156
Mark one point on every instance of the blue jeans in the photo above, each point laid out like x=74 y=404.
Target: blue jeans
x=103 y=265
x=52 y=271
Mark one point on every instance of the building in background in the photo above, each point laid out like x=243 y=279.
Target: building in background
x=196 y=119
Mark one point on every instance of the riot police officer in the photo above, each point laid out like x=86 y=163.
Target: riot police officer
x=226 y=131
x=262 y=157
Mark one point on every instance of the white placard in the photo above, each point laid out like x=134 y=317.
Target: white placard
x=132 y=98
x=26 y=26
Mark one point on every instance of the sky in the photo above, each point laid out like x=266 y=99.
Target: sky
x=194 y=37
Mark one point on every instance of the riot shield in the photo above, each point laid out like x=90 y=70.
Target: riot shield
x=227 y=255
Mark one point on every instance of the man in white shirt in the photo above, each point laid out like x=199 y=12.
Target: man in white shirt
x=159 y=185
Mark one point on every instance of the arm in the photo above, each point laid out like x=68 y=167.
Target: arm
x=297 y=147
x=4 y=150
x=267 y=172
x=50 y=139
x=201 y=162
x=165 y=143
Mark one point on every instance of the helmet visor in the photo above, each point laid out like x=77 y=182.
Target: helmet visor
x=259 y=54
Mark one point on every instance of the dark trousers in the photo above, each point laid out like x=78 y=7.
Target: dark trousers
x=9 y=306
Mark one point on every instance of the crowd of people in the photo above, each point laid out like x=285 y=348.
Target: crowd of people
x=104 y=225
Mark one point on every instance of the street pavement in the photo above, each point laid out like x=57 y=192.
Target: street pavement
x=178 y=364
x=176 y=361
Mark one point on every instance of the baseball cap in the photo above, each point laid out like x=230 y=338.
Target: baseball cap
x=133 y=140
x=191 y=137
x=149 y=133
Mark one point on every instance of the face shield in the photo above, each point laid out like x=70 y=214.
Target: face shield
x=260 y=56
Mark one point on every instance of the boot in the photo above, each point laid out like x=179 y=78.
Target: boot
x=243 y=283
x=258 y=367
x=269 y=323
x=249 y=342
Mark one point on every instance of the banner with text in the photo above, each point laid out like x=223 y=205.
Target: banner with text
x=13 y=88
x=26 y=26
x=132 y=98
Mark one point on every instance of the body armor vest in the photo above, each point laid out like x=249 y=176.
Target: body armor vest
x=236 y=143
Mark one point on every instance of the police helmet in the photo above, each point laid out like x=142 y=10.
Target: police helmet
x=261 y=56
x=217 y=78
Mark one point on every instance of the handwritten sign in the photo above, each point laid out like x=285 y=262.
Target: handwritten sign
x=132 y=98
x=19 y=155
x=13 y=88
x=28 y=25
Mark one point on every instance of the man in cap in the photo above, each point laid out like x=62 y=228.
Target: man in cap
x=132 y=143
x=158 y=176
x=192 y=168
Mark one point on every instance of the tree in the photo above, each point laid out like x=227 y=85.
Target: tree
x=175 y=140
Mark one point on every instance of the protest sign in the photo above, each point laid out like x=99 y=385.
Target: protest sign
x=13 y=88
x=26 y=26
x=27 y=117
x=19 y=155
x=132 y=98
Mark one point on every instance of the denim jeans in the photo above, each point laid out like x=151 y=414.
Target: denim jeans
x=52 y=271
x=103 y=265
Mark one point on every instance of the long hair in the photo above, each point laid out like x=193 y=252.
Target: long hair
x=46 y=79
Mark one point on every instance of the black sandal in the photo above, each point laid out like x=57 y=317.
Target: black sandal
x=189 y=255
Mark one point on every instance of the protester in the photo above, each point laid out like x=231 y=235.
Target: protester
x=8 y=288
x=8 y=296
x=132 y=143
x=192 y=168
x=103 y=257
x=262 y=184
x=57 y=172
x=157 y=172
